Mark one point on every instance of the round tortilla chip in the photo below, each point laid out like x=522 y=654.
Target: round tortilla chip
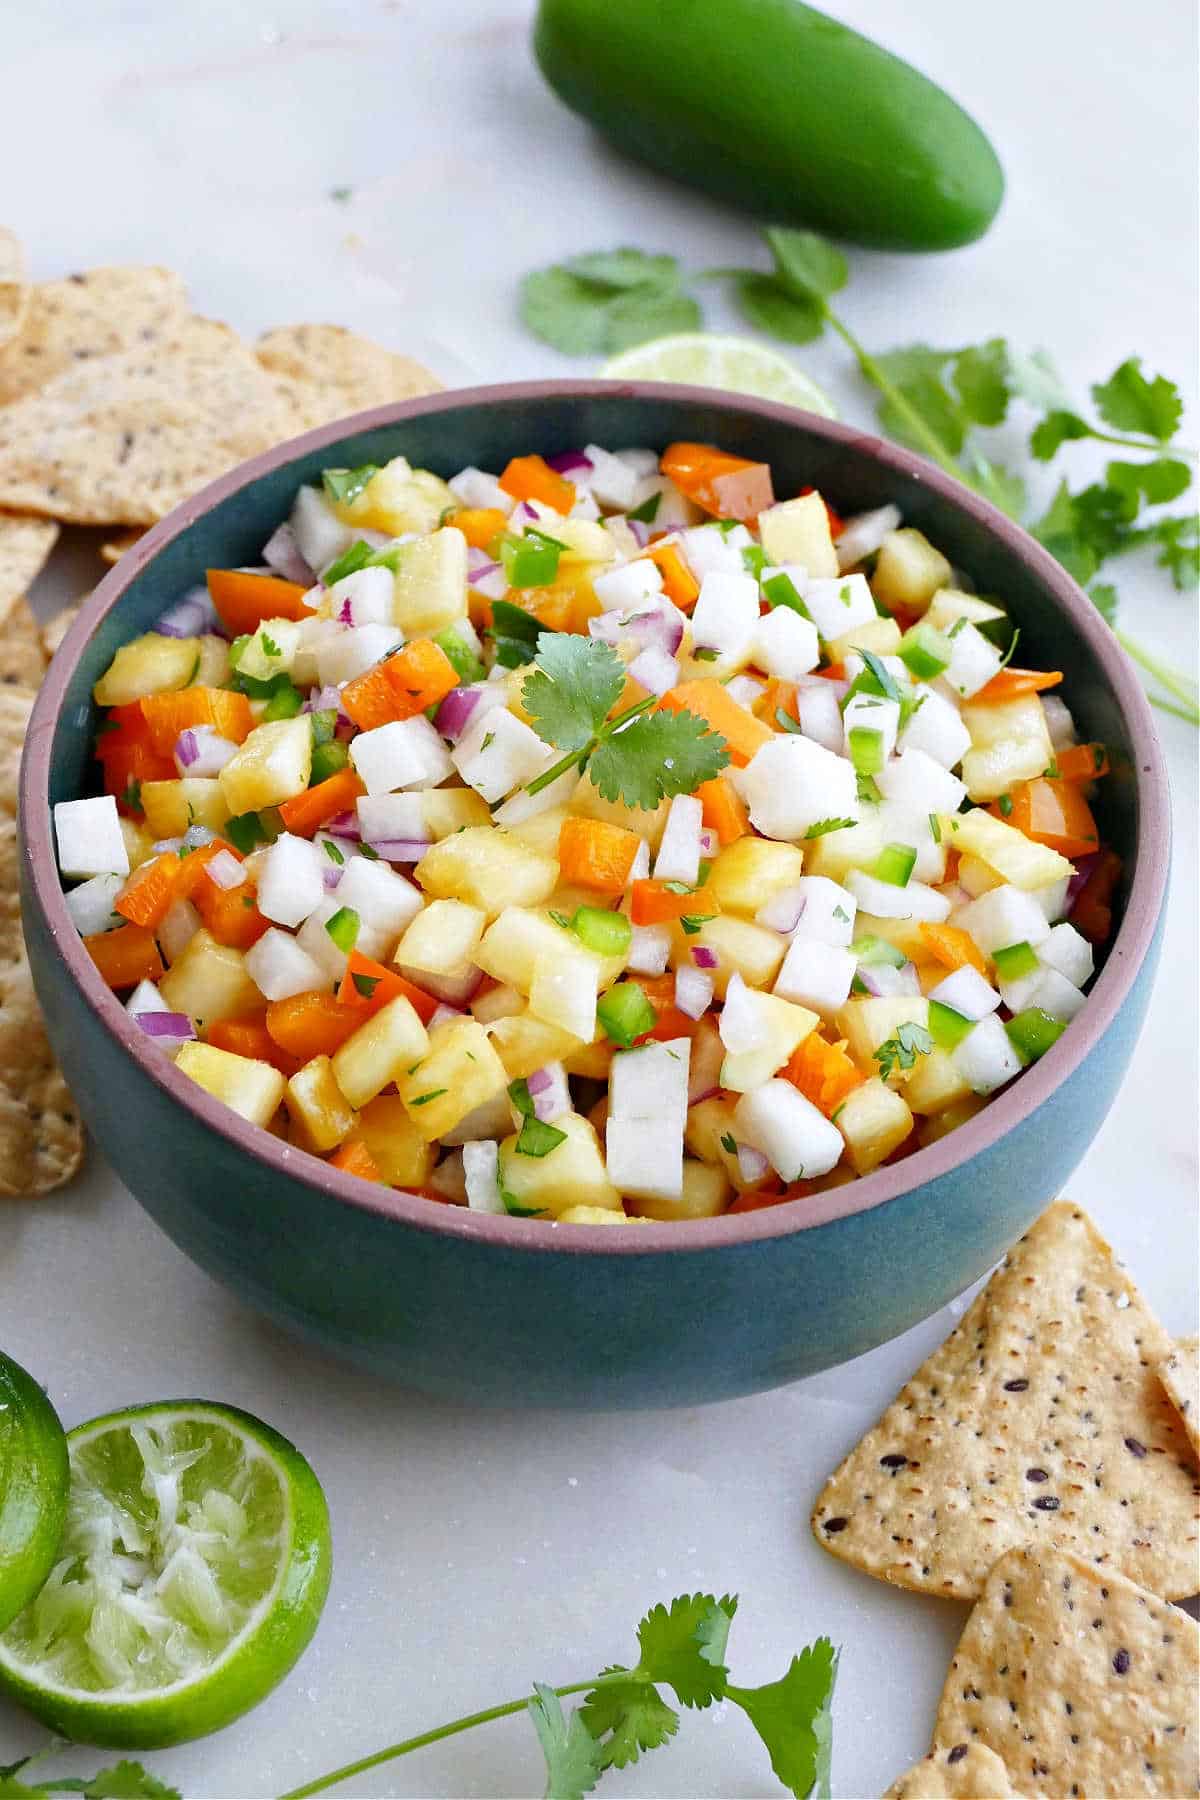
x=83 y=316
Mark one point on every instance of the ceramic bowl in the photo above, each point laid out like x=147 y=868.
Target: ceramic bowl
x=518 y=1313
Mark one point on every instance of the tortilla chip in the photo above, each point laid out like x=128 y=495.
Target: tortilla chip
x=14 y=286
x=41 y=1136
x=960 y=1772
x=1180 y=1375
x=85 y=316
x=1082 y=1682
x=54 y=633
x=121 y=439
x=16 y=704
x=22 y=663
x=328 y=372
x=25 y=546
x=1040 y=1420
x=114 y=550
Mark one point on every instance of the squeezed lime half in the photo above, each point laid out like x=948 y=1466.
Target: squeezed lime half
x=33 y=1487
x=736 y=364
x=191 y=1573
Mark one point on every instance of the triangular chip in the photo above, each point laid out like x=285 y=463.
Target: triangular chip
x=328 y=372
x=954 y=1772
x=56 y=630
x=1040 y=1420
x=14 y=287
x=115 y=548
x=25 y=544
x=1080 y=1681
x=85 y=316
x=22 y=660
x=16 y=704
x=121 y=439
x=1179 y=1373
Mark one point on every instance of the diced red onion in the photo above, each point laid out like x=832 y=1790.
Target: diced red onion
x=549 y=1092
x=488 y=579
x=345 y=825
x=166 y=1025
x=331 y=874
x=708 y=1093
x=1083 y=868
x=346 y=612
x=704 y=1068
x=395 y=850
x=196 y=836
x=442 y=1014
x=456 y=710
x=225 y=870
x=654 y=670
x=165 y=844
x=693 y=991
x=539 y=1081
x=568 y=462
x=704 y=958
x=783 y=911
x=186 y=748
x=882 y=981
x=708 y=842
x=190 y=617
x=524 y=514
x=281 y=553
x=752 y=1164
x=640 y=530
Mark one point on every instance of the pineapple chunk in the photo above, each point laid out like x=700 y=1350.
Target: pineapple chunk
x=709 y=1131
x=541 y=832
x=524 y=1043
x=273 y=764
x=705 y=1194
x=797 y=531
x=252 y=1089
x=209 y=982
x=857 y=847
x=904 y=934
x=572 y=1174
x=587 y=802
x=936 y=1083
x=595 y=1215
x=401 y=1154
x=447 y=810
x=378 y=1051
x=908 y=570
x=139 y=844
x=939 y=1125
x=441 y=938
x=591 y=1060
x=458 y=1072
x=564 y=989
x=514 y=944
x=583 y=541
x=740 y=947
x=431 y=583
x=976 y=876
x=874 y=1120
x=316 y=1102
x=271 y=650
x=868 y=1023
x=1009 y=743
x=171 y=806
x=1015 y=858
x=489 y=868
x=213 y=670
x=149 y=665
x=783 y=1025
x=748 y=872
x=949 y=605
x=399 y=498
x=880 y=635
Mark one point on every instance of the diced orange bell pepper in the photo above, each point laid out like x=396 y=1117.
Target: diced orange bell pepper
x=125 y=956
x=657 y=903
x=730 y=487
x=1082 y=762
x=723 y=809
x=401 y=686
x=832 y=671
x=480 y=525
x=305 y=813
x=679 y=584
x=367 y=986
x=822 y=1072
x=670 y=1023
x=243 y=601
x=311 y=1024
x=744 y=734
x=556 y=607
x=1011 y=683
x=1053 y=813
x=127 y=756
x=193 y=865
x=231 y=914
x=166 y=715
x=953 y=947
x=150 y=892
x=532 y=478
x=353 y=1158
x=594 y=854
x=250 y=1037
x=1092 y=911
x=777 y=697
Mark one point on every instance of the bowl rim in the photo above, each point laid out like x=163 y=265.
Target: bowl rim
x=535 y=1237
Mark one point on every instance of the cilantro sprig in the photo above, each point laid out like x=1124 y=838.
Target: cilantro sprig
x=902 y=1051
x=574 y=685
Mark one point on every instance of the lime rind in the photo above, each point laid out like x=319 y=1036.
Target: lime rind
x=731 y=364
x=34 y=1482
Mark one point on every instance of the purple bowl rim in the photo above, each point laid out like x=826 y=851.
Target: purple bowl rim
x=1112 y=988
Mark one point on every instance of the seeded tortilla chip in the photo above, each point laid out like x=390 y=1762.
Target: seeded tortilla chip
x=957 y=1772
x=121 y=439
x=327 y=372
x=14 y=287
x=1080 y=1681
x=25 y=546
x=1180 y=1375
x=1041 y=1420
x=16 y=704
x=86 y=316
x=54 y=633
x=22 y=663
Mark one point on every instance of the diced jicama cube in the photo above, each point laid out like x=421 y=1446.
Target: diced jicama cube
x=272 y=765
x=522 y=807
x=644 y=1158
x=908 y=570
x=710 y=550
x=1013 y=856
x=363 y=597
x=836 y=606
x=1068 y=952
x=351 y=651
x=678 y=856
x=920 y=782
x=1059 y=723
x=820 y=713
x=797 y=531
x=973 y=663
x=1009 y=743
x=91 y=905
x=145 y=998
x=759 y=1032
x=1053 y=898
x=649 y=949
x=475 y=488
x=651 y=1082
x=379 y=1050
x=280 y=967
x=179 y=926
x=791 y=783
x=900 y=824
x=965 y=991
x=408 y=753
x=868 y=713
x=628 y=586
x=986 y=1058
x=827 y=910
x=383 y=900
x=316 y=942
x=613 y=481
x=725 y=618
x=498 y=753
x=1055 y=995
x=320 y=535
x=816 y=975
x=442 y=937
x=1003 y=916
x=392 y=818
x=89 y=837
x=252 y=1089
x=291 y=879
x=936 y=728
x=863 y=534
x=874 y=1120
x=430 y=590
x=785 y=645
x=798 y=1141
x=886 y=901
x=481 y=1171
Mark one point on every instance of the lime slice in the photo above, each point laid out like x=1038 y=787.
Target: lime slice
x=739 y=365
x=191 y=1574
x=33 y=1487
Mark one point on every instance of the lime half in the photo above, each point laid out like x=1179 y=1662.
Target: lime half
x=739 y=365
x=190 y=1576
x=33 y=1487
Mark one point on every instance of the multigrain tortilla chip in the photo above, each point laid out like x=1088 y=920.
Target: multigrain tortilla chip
x=1080 y=1681
x=1041 y=1419
x=25 y=545
x=14 y=286
x=57 y=629
x=954 y=1772
x=1179 y=1373
x=41 y=1136
x=22 y=663
x=328 y=372
x=86 y=316
x=16 y=704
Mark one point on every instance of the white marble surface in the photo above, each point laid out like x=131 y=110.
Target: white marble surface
x=474 y=1551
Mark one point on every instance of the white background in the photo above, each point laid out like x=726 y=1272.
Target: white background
x=476 y=1551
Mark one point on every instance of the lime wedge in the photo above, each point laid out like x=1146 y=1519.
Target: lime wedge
x=33 y=1487
x=738 y=365
x=191 y=1575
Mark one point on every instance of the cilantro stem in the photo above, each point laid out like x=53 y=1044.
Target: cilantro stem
x=1148 y=446
x=581 y=755
x=1179 y=685
x=886 y=386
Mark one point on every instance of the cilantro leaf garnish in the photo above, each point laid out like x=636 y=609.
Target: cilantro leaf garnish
x=794 y=1719
x=1128 y=402
x=822 y=826
x=344 y=485
x=576 y=684
x=901 y=1052
x=631 y=1715
x=684 y=1645
x=656 y=757
x=515 y=633
x=599 y=304
x=122 y=1781
x=574 y=1760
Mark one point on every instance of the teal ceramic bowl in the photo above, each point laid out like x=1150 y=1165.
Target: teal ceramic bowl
x=519 y=1313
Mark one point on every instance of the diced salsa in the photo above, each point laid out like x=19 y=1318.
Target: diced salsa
x=600 y=840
